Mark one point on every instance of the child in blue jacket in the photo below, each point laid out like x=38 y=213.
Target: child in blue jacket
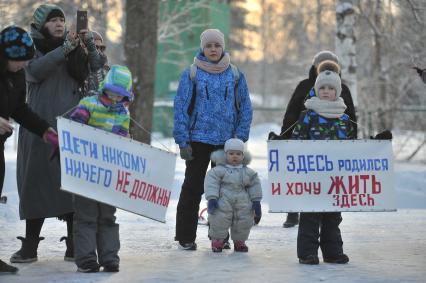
x=324 y=119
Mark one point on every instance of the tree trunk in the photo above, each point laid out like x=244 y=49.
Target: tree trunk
x=345 y=44
x=141 y=52
x=378 y=67
x=318 y=23
x=264 y=35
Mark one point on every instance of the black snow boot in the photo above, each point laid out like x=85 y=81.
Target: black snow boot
x=6 y=268
x=292 y=220
x=339 y=259
x=69 y=253
x=28 y=251
x=111 y=267
x=89 y=267
x=310 y=259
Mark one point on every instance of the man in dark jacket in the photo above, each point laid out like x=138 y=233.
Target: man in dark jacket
x=296 y=106
x=16 y=48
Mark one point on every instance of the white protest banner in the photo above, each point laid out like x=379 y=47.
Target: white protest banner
x=330 y=175
x=115 y=170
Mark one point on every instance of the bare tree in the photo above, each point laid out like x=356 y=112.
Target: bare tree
x=392 y=33
x=140 y=51
x=175 y=21
x=238 y=26
x=318 y=17
x=345 y=44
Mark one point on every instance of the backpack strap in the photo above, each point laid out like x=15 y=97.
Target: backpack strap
x=236 y=75
x=192 y=77
x=193 y=73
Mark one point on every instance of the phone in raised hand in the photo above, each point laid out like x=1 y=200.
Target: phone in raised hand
x=82 y=21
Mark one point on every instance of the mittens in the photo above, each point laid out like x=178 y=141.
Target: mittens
x=257 y=208
x=186 y=153
x=70 y=44
x=212 y=205
x=88 y=38
x=52 y=137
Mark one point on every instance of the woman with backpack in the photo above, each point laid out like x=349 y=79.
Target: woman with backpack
x=212 y=105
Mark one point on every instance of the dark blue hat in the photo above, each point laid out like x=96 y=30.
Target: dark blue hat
x=16 y=44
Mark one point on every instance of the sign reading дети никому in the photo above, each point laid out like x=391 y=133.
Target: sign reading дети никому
x=115 y=170
x=330 y=175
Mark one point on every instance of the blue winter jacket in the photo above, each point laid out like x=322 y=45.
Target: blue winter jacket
x=215 y=118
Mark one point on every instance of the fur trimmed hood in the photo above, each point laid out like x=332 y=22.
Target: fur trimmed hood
x=219 y=157
x=328 y=65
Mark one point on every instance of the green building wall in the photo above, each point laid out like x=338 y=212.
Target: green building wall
x=173 y=58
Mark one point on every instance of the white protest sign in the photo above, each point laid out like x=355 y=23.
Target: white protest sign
x=115 y=170
x=330 y=175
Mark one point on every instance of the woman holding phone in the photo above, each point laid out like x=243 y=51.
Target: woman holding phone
x=54 y=78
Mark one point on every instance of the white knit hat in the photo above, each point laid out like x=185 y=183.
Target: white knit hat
x=328 y=78
x=212 y=35
x=234 y=144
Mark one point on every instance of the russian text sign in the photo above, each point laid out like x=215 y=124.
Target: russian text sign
x=330 y=175
x=115 y=170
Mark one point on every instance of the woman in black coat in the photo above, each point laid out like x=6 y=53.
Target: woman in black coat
x=16 y=48
x=296 y=106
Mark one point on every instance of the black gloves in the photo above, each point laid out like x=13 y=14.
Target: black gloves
x=422 y=73
x=419 y=71
x=273 y=136
x=385 y=135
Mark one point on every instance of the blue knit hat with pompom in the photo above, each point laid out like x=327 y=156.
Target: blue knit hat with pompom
x=16 y=44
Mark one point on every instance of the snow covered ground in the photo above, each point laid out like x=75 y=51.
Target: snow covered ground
x=383 y=247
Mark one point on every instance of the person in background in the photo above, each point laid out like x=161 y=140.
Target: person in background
x=98 y=61
x=304 y=91
x=16 y=49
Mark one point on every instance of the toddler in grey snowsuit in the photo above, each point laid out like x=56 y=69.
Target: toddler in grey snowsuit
x=233 y=192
